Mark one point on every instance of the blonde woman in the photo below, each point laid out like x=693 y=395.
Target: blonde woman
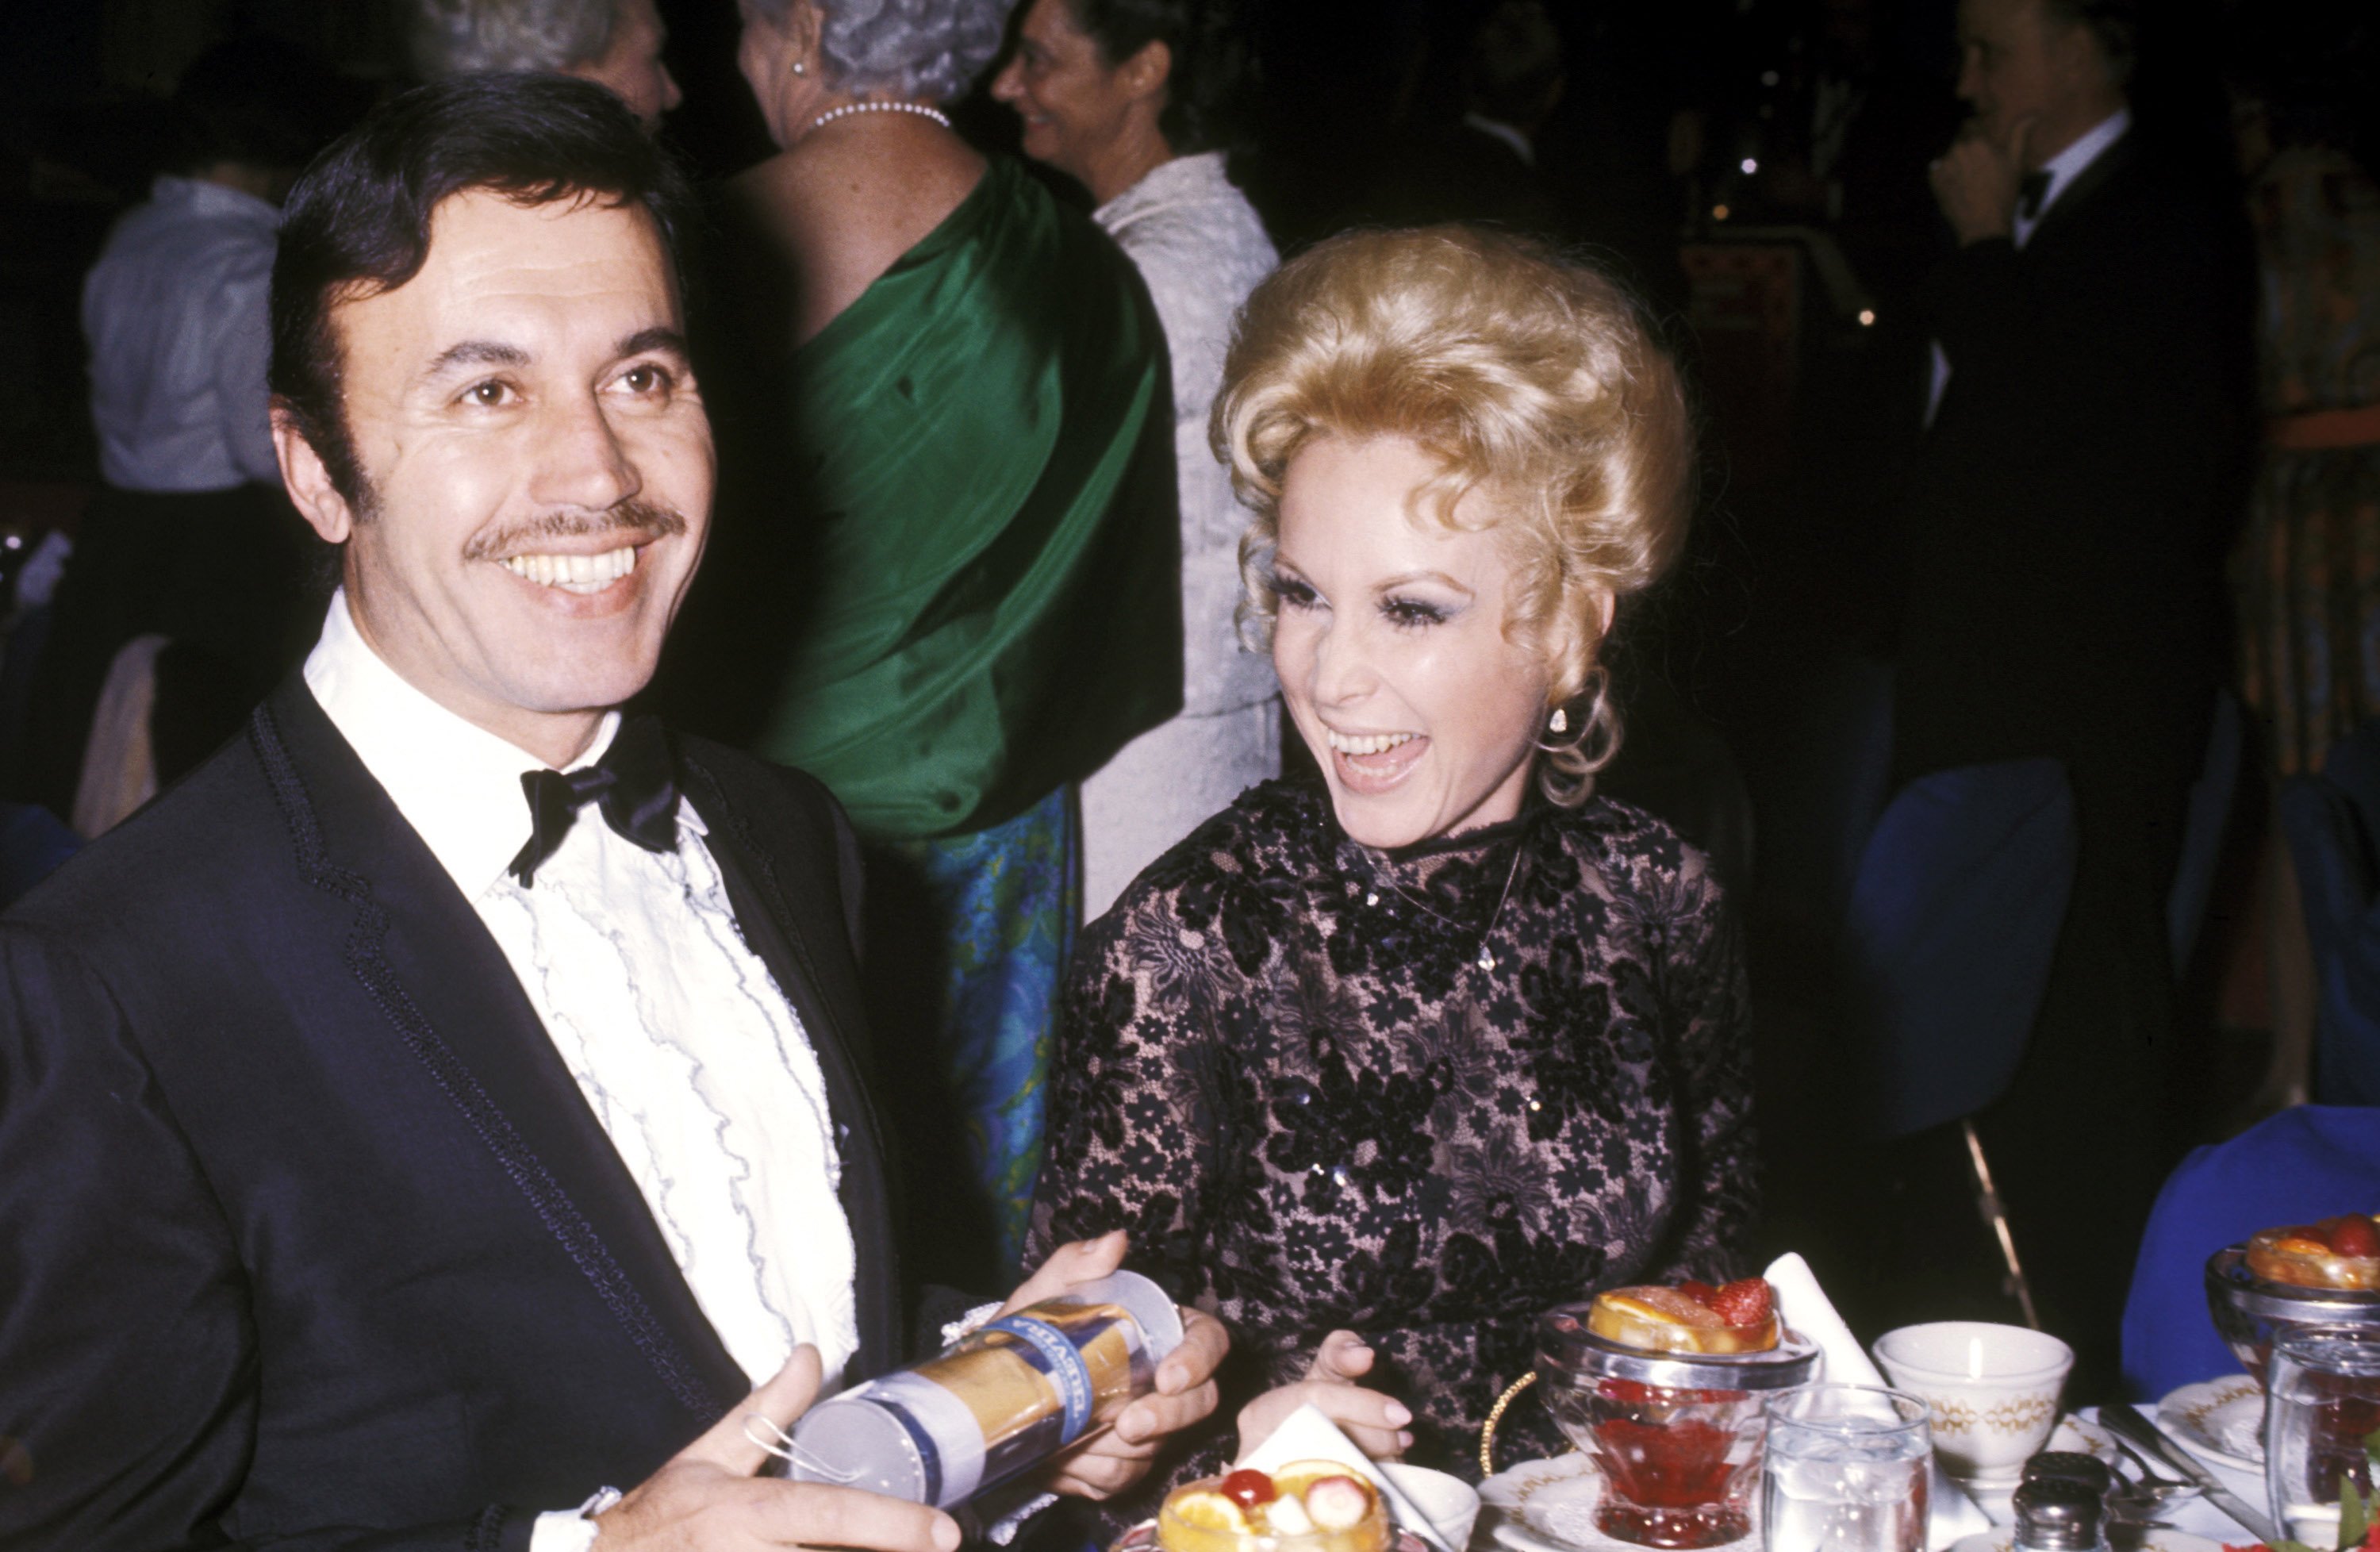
x=1446 y=1038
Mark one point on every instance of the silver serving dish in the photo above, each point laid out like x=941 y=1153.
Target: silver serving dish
x=1571 y=1357
x=2250 y=1311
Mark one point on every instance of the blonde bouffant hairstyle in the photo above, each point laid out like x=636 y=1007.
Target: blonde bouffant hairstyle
x=1533 y=380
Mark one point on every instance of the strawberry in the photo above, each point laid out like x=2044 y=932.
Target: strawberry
x=2354 y=1235
x=1748 y=1302
x=1338 y=1503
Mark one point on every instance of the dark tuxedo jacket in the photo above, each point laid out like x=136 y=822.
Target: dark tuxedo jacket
x=307 y=1237
x=2080 y=482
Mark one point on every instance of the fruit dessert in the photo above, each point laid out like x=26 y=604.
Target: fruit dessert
x=2336 y=1252
x=1310 y=1506
x=1693 y=1317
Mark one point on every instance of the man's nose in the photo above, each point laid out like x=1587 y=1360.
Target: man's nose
x=580 y=461
x=671 y=95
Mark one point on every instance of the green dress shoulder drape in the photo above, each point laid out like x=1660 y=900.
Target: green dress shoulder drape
x=986 y=442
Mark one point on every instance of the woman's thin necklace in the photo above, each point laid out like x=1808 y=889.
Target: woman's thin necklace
x=920 y=109
x=1486 y=960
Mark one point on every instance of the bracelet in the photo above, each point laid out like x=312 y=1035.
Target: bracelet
x=604 y=1498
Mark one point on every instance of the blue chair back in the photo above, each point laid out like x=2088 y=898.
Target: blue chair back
x=2302 y=1164
x=2332 y=822
x=1955 y=914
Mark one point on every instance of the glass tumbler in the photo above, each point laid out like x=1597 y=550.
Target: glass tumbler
x=2322 y=1404
x=1848 y=1466
x=1677 y=1438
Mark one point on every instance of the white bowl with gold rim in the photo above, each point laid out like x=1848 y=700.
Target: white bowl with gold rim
x=1992 y=1390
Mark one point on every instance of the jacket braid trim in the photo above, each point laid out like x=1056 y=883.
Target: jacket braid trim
x=368 y=962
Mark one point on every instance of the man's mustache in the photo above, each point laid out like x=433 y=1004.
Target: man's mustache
x=644 y=519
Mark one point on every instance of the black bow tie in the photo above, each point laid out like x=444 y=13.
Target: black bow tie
x=2030 y=190
x=632 y=783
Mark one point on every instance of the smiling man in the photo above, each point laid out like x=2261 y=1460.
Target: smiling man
x=449 y=1100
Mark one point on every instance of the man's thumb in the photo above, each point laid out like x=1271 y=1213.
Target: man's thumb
x=740 y=1441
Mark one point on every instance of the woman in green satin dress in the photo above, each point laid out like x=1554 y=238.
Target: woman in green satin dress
x=948 y=553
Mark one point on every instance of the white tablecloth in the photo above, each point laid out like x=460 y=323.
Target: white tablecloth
x=2196 y=1515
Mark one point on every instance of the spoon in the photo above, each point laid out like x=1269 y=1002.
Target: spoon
x=2154 y=1489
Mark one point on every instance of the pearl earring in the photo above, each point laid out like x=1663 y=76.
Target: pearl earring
x=1561 y=723
x=800 y=69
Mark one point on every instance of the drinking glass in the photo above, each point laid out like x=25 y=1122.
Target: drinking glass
x=1848 y=1466
x=2322 y=1400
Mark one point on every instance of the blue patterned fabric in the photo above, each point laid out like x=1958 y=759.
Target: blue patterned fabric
x=1007 y=899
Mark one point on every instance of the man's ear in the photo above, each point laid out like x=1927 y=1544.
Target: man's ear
x=1147 y=72
x=317 y=499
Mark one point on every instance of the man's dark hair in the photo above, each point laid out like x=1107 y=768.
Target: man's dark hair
x=358 y=223
x=1205 y=95
x=1513 y=72
x=2114 y=25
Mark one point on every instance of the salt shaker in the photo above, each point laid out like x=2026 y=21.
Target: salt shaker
x=2057 y=1514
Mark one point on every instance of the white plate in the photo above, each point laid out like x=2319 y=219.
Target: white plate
x=2221 y=1419
x=1549 y=1505
x=2151 y=1541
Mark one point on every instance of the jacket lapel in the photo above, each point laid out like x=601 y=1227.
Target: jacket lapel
x=449 y=994
x=794 y=924
x=2107 y=165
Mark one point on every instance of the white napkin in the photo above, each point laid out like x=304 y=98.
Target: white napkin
x=1803 y=1306
x=1307 y=1434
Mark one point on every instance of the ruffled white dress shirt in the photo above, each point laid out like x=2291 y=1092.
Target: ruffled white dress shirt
x=678 y=1036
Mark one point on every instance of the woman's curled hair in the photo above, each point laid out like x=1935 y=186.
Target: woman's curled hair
x=928 y=49
x=1532 y=378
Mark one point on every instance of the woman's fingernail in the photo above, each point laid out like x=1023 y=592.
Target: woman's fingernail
x=946 y=1534
x=1405 y=1441
x=1398 y=1416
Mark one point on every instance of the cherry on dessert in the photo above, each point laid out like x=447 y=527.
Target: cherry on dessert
x=1248 y=1488
x=2354 y=1235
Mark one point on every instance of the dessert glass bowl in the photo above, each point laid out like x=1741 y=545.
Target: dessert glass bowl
x=1677 y=1437
x=2251 y=1311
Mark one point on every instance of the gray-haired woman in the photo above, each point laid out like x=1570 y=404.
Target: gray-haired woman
x=958 y=571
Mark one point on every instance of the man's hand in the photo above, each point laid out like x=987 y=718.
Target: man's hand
x=1109 y=1462
x=708 y=1497
x=1975 y=182
x=1374 y=1423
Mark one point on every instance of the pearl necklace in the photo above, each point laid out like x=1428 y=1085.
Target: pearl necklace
x=920 y=109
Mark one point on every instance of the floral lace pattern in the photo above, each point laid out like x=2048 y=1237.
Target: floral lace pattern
x=1286 y=1068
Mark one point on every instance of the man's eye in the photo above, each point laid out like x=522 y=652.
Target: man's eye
x=489 y=395
x=645 y=380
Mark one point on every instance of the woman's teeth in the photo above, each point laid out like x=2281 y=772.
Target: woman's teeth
x=1370 y=743
x=574 y=573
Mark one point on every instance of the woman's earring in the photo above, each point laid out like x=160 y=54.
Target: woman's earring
x=800 y=69
x=1561 y=723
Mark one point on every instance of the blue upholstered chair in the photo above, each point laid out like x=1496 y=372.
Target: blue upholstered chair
x=2305 y=1163
x=2332 y=822
x=1955 y=914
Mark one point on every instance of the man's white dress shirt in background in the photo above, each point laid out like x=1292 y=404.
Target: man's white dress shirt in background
x=2062 y=169
x=678 y=1036
x=176 y=312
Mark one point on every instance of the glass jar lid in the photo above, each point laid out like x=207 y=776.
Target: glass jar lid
x=1569 y=1355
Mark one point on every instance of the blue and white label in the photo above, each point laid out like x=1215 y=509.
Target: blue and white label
x=1064 y=1366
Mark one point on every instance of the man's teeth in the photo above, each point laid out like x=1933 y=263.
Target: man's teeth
x=574 y=573
x=1371 y=743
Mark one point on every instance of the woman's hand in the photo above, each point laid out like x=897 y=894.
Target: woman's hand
x=1114 y=1459
x=1375 y=1423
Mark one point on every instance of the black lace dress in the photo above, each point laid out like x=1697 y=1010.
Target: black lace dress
x=1328 y=1087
